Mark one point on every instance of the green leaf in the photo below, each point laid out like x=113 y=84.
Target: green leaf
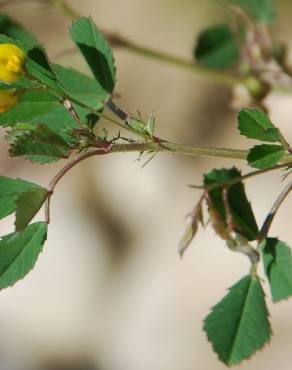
x=39 y=107
x=19 y=252
x=27 y=206
x=238 y=325
x=80 y=87
x=10 y=190
x=261 y=10
x=28 y=147
x=264 y=156
x=217 y=48
x=11 y=28
x=254 y=124
x=37 y=66
x=239 y=205
x=41 y=143
x=277 y=260
x=22 y=83
x=96 y=52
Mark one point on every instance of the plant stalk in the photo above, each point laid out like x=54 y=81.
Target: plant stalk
x=269 y=219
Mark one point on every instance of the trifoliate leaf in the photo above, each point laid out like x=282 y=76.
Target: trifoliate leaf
x=96 y=52
x=11 y=190
x=217 y=48
x=261 y=10
x=277 y=259
x=27 y=206
x=263 y=156
x=254 y=124
x=19 y=252
x=238 y=203
x=238 y=325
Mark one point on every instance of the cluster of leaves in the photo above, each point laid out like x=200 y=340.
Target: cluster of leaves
x=241 y=45
x=54 y=117
x=239 y=324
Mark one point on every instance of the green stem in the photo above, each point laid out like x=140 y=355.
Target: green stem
x=216 y=77
x=144 y=147
x=238 y=179
x=65 y=8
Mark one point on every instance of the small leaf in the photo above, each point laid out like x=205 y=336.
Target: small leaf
x=217 y=48
x=96 y=52
x=193 y=219
x=27 y=206
x=238 y=325
x=264 y=156
x=261 y=10
x=28 y=147
x=254 y=124
x=21 y=83
x=19 y=252
x=11 y=28
x=39 y=107
x=277 y=259
x=10 y=190
x=37 y=65
x=9 y=40
x=239 y=205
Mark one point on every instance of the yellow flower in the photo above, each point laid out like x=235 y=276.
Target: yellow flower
x=8 y=98
x=11 y=62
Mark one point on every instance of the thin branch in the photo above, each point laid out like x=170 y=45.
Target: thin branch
x=269 y=219
x=62 y=173
x=108 y=148
x=238 y=179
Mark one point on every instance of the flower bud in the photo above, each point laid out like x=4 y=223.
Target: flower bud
x=8 y=98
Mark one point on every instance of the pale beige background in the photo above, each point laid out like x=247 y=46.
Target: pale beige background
x=109 y=291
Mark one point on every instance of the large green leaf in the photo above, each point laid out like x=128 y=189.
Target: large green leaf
x=11 y=190
x=96 y=52
x=237 y=201
x=261 y=10
x=217 y=48
x=277 y=259
x=263 y=156
x=254 y=124
x=11 y=28
x=39 y=107
x=19 y=252
x=238 y=325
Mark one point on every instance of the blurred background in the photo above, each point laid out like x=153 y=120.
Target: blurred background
x=109 y=291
